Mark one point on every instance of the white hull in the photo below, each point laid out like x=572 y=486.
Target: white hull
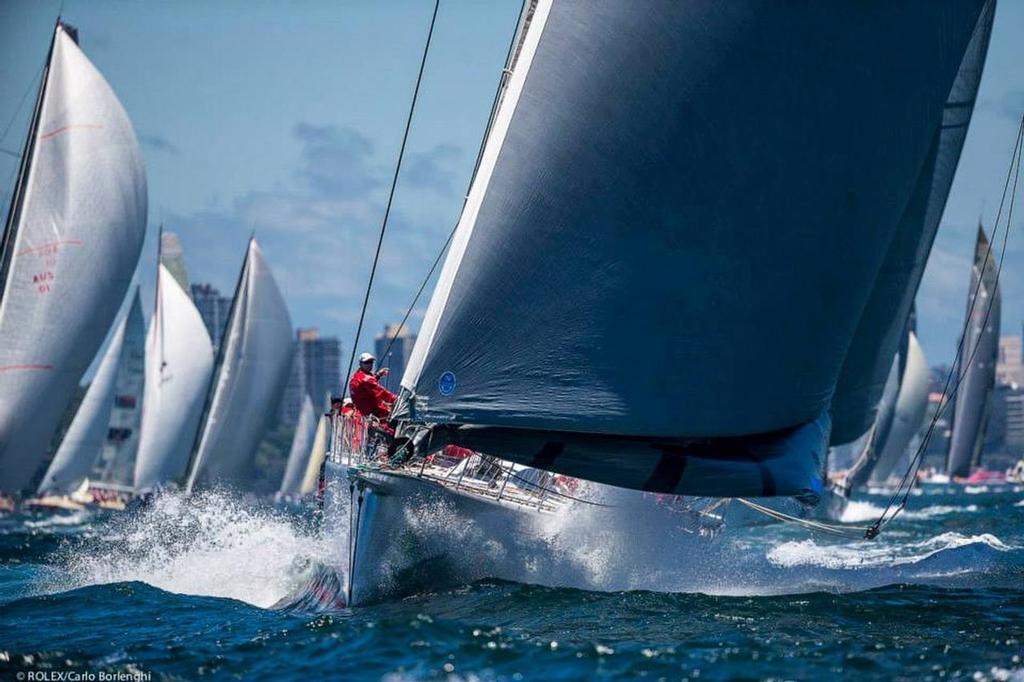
x=410 y=534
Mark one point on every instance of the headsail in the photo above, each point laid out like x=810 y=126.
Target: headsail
x=618 y=300
x=317 y=455
x=249 y=379
x=908 y=415
x=882 y=325
x=179 y=360
x=976 y=364
x=302 y=444
x=72 y=243
x=85 y=438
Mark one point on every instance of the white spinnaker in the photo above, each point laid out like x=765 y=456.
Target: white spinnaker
x=179 y=360
x=298 y=456
x=911 y=405
x=250 y=379
x=80 y=232
x=317 y=455
x=84 y=439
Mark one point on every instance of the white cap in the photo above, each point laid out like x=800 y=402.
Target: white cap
x=366 y=357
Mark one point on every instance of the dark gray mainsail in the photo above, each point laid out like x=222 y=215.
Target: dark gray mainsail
x=248 y=381
x=674 y=180
x=976 y=373
x=882 y=324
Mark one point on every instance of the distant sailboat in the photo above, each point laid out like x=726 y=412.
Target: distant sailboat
x=101 y=442
x=317 y=456
x=900 y=418
x=72 y=241
x=248 y=381
x=300 y=452
x=654 y=179
x=976 y=364
x=179 y=362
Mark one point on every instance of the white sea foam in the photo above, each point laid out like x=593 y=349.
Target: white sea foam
x=810 y=553
x=209 y=545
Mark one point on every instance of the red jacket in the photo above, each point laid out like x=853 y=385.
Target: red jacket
x=369 y=396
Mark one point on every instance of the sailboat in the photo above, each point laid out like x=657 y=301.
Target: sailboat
x=248 y=380
x=179 y=363
x=71 y=243
x=100 y=445
x=617 y=305
x=899 y=421
x=300 y=452
x=976 y=364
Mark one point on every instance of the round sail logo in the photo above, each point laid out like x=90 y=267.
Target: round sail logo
x=446 y=384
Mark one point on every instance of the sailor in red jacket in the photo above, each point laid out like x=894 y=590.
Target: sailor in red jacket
x=370 y=397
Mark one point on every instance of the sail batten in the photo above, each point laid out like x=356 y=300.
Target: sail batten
x=78 y=225
x=654 y=196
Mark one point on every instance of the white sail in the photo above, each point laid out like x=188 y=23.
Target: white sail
x=81 y=220
x=87 y=434
x=661 y=267
x=179 y=361
x=908 y=413
x=301 y=450
x=249 y=380
x=317 y=455
x=116 y=464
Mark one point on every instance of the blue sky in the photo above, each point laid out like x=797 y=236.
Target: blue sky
x=286 y=117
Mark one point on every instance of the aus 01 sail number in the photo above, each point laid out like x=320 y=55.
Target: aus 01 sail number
x=47 y=261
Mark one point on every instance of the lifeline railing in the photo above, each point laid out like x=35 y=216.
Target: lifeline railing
x=361 y=442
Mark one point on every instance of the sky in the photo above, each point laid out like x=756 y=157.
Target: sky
x=286 y=118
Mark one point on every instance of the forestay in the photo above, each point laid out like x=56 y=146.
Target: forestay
x=672 y=237
x=81 y=220
x=248 y=382
x=179 y=362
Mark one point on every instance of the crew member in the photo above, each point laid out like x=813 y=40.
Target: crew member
x=370 y=398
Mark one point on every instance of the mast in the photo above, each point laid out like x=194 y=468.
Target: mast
x=158 y=311
x=218 y=366
x=18 y=198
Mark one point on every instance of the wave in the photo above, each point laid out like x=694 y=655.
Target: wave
x=206 y=545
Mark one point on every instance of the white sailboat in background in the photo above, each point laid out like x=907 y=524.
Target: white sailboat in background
x=179 y=363
x=248 y=381
x=100 y=445
x=71 y=244
x=300 y=453
x=608 y=208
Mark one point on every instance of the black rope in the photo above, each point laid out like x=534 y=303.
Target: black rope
x=391 y=196
x=902 y=492
x=21 y=103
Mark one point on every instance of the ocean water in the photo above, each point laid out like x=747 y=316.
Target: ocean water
x=192 y=589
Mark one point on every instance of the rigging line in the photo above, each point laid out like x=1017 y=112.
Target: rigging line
x=506 y=72
x=911 y=474
x=902 y=491
x=845 y=531
x=21 y=103
x=391 y=196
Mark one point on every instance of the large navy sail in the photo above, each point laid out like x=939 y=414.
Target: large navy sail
x=882 y=325
x=658 y=189
x=976 y=364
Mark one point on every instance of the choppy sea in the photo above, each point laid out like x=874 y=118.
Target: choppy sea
x=187 y=589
